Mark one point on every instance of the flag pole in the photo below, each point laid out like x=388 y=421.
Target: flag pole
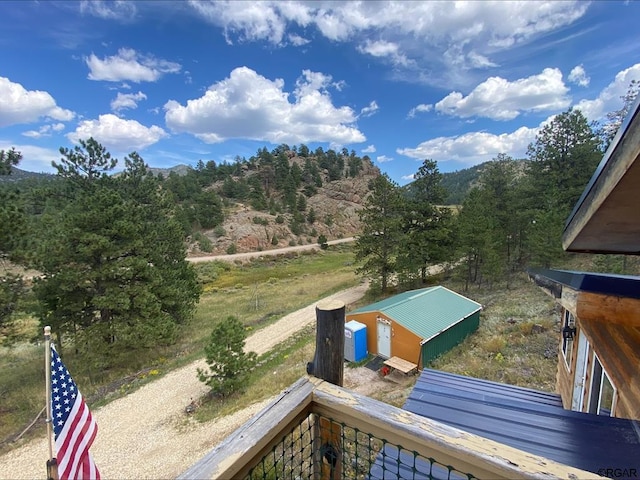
x=52 y=471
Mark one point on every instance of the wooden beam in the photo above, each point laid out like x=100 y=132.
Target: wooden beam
x=244 y=448
x=468 y=453
x=609 y=308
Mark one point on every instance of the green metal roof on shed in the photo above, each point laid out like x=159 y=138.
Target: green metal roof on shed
x=426 y=312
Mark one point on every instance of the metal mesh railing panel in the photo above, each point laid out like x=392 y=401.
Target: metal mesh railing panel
x=320 y=447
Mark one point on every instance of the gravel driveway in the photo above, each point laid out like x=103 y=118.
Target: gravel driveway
x=146 y=434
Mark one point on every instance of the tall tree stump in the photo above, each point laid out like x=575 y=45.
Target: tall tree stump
x=328 y=364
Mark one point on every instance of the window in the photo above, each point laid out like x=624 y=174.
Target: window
x=567 y=343
x=603 y=394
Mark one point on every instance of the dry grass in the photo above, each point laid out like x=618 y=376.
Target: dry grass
x=517 y=341
x=282 y=366
x=260 y=293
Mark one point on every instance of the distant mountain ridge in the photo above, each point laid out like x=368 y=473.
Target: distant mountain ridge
x=181 y=169
x=17 y=175
x=459 y=183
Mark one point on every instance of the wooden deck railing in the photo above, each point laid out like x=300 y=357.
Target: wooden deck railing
x=318 y=430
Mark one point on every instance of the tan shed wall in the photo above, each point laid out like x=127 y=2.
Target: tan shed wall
x=404 y=343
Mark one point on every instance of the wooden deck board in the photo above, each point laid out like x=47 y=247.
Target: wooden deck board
x=398 y=363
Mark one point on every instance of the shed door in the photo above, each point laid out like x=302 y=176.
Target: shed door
x=384 y=339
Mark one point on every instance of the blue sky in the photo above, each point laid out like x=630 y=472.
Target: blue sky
x=457 y=82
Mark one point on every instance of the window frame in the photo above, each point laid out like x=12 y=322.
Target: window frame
x=568 y=320
x=598 y=381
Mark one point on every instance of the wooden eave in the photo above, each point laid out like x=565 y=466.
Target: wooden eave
x=606 y=219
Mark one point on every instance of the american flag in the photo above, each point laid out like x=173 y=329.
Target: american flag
x=73 y=427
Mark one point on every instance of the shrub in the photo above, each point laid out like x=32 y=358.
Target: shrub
x=495 y=345
x=231 y=249
x=322 y=241
x=229 y=366
x=204 y=243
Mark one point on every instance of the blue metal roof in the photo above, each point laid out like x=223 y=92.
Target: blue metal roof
x=604 y=283
x=526 y=419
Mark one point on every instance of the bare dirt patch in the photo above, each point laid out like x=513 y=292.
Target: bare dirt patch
x=392 y=389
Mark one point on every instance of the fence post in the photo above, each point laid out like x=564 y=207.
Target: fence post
x=328 y=364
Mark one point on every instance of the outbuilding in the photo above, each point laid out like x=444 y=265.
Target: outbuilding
x=418 y=325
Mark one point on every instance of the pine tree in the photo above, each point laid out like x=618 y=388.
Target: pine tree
x=229 y=365
x=563 y=158
x=376 y=247
x=12 y=221
x=115 y=275
x=427 y=226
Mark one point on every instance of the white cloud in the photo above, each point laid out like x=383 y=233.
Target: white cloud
x=410 y=177
x=369 y=110
x=34 y=159
x=579 y=76
x=18 y=105
x=445 y=38
x=369 y=149
x=109 y=10
x=384 y=49
x=499 y=99
x=423 y=107
x=129 y=65
x=127 y=100
x=474 y=147
x=251 y=21
x=609 y=99
x=479 y=61
x=383 y=159
x=44 y=131
x=248 y=105
x=297 y=40
x=118 y=134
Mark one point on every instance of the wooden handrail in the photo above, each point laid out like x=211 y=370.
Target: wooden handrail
x=478 y=456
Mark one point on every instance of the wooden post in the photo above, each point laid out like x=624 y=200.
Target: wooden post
x=328 y=364
x=328 y=361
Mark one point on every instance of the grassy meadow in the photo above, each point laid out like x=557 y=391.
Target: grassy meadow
x=257 y=293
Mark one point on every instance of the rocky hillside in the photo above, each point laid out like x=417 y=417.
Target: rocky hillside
x=332 y=211
x=279 y=198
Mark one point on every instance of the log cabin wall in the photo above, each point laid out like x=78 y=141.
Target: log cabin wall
x=606 y=309
x=618 y=349
x=612 y=325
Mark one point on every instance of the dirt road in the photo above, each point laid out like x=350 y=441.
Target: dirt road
x=278 y=251
x=146 y=434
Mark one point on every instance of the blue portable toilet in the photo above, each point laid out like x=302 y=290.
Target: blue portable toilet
x=355 y=341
